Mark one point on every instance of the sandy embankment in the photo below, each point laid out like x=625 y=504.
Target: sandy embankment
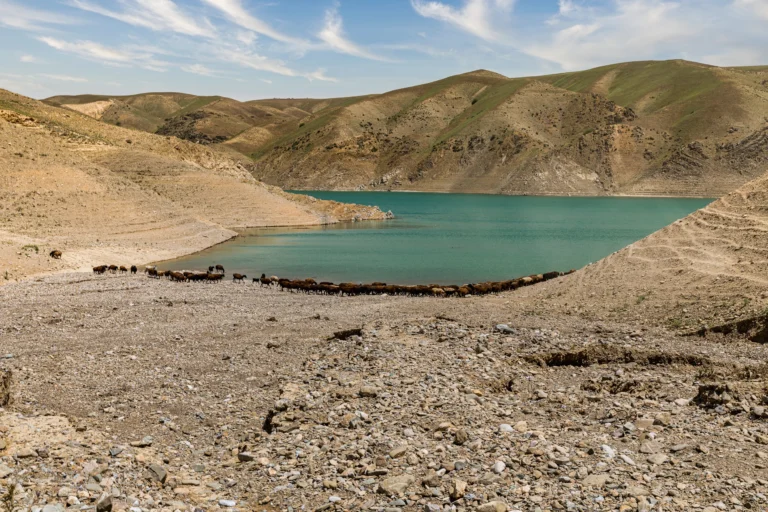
x=130 y=203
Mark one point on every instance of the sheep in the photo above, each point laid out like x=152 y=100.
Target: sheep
x=264 y=280
x=134 y=269
x=100 y=269
x=178 y=276
x=213 y=278
x=55 y=254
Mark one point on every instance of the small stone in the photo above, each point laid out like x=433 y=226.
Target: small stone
x=458 y=489
x=398 y=452
x=682 y=402
x=227 y=503
x=25 y=453
x=158 y=473
x=369 y=392
x=461 y=437
x=5 y=471
x=678 y=448
x=505 y=329
x=521 y=426
x=499 y=467
x=506 y=428
x=396 y=485
x=246 y=457
x=105 y=503
x=608 y=451
x=144 y=443
x=627 y=459
x=596 y=480
x=493 y=506
x=430 y=507
x=650 y=447
x=657 y=458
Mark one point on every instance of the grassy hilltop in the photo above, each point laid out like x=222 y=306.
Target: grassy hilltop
x=667 y=128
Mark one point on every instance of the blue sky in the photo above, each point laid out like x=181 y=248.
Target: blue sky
x=250 y=49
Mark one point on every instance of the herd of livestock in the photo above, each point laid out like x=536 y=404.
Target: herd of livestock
x=216 y=273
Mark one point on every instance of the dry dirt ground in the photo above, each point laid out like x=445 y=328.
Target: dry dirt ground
x=139 y=393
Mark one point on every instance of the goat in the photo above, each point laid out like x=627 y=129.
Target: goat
x=55 y=255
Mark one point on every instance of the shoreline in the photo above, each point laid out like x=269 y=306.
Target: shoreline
x=442 y=192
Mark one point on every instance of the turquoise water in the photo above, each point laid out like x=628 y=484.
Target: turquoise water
x=448 y=238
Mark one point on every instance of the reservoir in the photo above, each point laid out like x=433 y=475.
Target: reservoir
x=447 y=238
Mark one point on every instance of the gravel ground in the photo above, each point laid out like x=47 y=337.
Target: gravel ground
x=142 y=394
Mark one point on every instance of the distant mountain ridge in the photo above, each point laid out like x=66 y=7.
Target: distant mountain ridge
x=654 y=128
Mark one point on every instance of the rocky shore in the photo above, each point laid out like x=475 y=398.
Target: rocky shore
x=135 y=394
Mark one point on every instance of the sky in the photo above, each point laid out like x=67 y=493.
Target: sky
x=253 y=49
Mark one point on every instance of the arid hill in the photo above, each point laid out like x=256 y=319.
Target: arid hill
x=105 y=194
x=641 y=128
x=707 y=272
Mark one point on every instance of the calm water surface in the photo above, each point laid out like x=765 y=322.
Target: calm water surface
x=448 y=238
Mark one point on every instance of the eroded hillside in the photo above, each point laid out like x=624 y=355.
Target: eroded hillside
x=105 y=194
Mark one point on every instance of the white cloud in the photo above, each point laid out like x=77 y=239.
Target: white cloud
x=112 y=56
x=156 y=15
x=333 y=35
x=266 y=81
x=249 y=59
x=636 y=30
x=319 y=75
x=29 y=59
x=198 y=69
x=737 y=57
x=64 y=78
x=478 y=17
x=247 y=37
x=18 y=16
x=237 y=14
x=757 y=7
